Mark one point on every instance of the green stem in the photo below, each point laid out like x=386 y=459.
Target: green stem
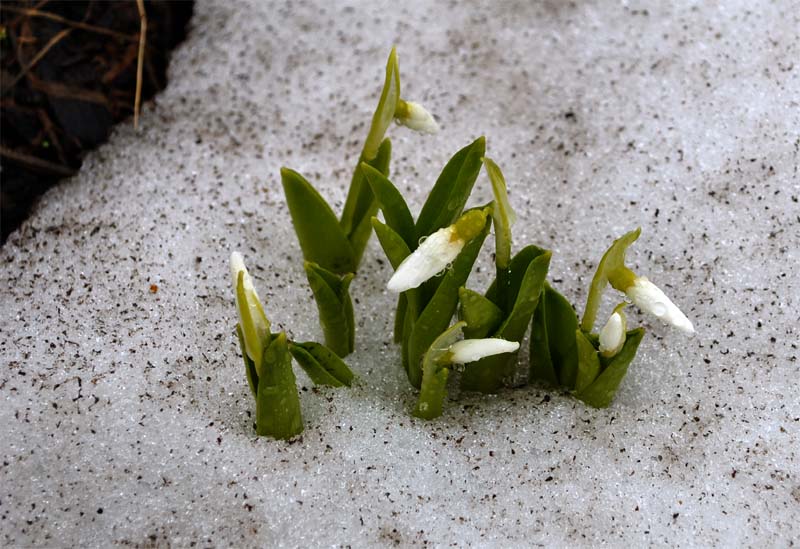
x=432 y=393
x=503 y=278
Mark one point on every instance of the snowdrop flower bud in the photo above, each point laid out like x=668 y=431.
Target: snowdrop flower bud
x=472 y=350
x=649 y=297
x=437 y=252
x=415 y=116
x=612 y=336
x=254 y=322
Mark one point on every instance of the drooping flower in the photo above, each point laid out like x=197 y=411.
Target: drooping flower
x=472 y=350
x=612 y=336
x=252 y=319
x=437 y=252
x=649 y=297
x=415 y=116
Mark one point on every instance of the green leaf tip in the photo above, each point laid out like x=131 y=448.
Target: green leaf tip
x=318 y=231
x=332 y=295
x=321 y=364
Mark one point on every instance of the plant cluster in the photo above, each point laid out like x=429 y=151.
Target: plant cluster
x=433 y=257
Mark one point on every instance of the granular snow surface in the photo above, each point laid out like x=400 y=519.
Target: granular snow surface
x=126 y=419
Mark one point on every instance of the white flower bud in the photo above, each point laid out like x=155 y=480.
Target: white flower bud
x=472 y=350
x=612 y=336
x=437 y=251
x=433 y=256
x=649 y=297
x=417 y=118
x=258 y=323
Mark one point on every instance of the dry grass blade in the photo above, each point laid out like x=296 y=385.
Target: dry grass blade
x=37 y=163
x=140 y=62
x=36 y=58
x=69 y=22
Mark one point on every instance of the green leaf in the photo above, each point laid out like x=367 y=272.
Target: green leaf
x=553 y=353
x=451 y=191
x=481 y=315
x=355 y=221
x=390 y=201
x=332 y=294
x=502 y=214
x=526 y=298
x=249 y=365
x=317 y=228
x=588 y=362
x=384 y=112
x=517 y=269
x=434 y=375
x=400 y=317
x=489 y=374
x=393 y=245
x=600 y=393
x=278 y=412
x=321 y=364
x=438 y=312
x=612 y=264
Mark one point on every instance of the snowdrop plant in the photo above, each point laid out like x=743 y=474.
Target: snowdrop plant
x=433 y=257
x=566 y=353
x=333 y=247
x=443 y=240
x=268 y=361
x=506 y=309
x=444 y=354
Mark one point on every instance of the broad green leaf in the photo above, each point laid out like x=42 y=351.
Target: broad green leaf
x=588 y=362
x=331 y=292
x=434 y=375
x=481 y=315
x=321 y=364
x=553 y=355
x=391 y=203
x=355 y=221
x=600 y=393
x=612 y=264
x=384 y=113
x=437 y=313
x=278 y=412
x=489 y=374
x=249 y=365
x=317 y=228
x=452 y=189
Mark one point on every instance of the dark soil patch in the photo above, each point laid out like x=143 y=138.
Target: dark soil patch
x=69 y=72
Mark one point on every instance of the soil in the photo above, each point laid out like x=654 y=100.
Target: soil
x=69 y=72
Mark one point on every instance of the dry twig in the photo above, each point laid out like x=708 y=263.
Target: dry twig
x=140 y=63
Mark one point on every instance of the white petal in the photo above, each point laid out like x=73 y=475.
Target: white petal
x=237 y=265
x=470 y=350
x=612 y=336
x=419 y=119
x=433 y=256
x=649 y=297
